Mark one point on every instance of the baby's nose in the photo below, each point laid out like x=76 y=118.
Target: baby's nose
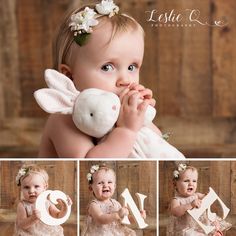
x=105 y=184
x=123 y=81
x=31 y=190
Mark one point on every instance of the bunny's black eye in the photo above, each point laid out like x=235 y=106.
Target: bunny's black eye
x=91 y=114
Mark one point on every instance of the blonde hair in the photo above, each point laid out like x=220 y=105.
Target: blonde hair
x=182 y=172
x=33 y=169
x=102 y=167
x=64 y=43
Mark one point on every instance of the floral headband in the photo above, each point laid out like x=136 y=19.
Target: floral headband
x=25 y=171
x=181 y=167
x=22 y=172
x=92 y=170
x=82 y=22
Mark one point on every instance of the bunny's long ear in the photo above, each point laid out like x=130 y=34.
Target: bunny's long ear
x=53 y=101
x=60 y=82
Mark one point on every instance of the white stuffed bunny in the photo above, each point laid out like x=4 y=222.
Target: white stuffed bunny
x=95 y=113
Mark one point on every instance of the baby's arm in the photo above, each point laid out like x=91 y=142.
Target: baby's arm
x=55 y=212
x=178 y=209
x=62 y=135
x=102 y=218
x=68 y=141
x=22 y=220
x=120 y=141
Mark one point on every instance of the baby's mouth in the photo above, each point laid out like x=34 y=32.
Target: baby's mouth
x=106 y=191
x=190 y=189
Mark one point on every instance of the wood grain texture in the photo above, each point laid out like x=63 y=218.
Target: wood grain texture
x=62 y=176
x=191 y=71
x=137 y=176
x=220 y=175
x=224 y=60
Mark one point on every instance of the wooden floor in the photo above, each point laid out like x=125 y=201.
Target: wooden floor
x=225 y=151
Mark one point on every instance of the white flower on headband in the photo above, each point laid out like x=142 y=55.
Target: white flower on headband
x=107 y=7
x=21 y=172
x=181 y=167
x=89 y=176
x=83 y=21
x=176 y=174
x=93 y=169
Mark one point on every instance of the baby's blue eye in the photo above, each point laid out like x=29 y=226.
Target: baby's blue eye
x=107 y=67
x=132 y=67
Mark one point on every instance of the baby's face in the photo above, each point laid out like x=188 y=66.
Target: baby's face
x=31 y=186
x=108 y=65
x=104 y=184
x=187 y=184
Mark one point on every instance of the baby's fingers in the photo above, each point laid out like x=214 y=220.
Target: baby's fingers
x=143 y=106
x=133 y=99
x=146 y=93
x=129 y=98
x=137 y=87
x=123 y=93
x=126 y=211
x=69 y=201
x=151 y=102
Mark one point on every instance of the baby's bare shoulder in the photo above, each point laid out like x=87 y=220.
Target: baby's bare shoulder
x=58 y=123
x=65 y=137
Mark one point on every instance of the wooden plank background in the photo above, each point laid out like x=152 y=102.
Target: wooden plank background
x=191 y=70
x=137 y=176
x=220 y=175
x=10 y=192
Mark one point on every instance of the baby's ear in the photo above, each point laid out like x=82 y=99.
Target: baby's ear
x=66 y=70
x=90 y=188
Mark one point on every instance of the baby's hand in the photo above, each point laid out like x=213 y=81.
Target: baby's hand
x=196 y=203
x=132 y=111
x=218 y=233
x=69 y=201
x=143 y=214
x=145 y=93
x=36 y=214
x=62 y=204
x=123 y=212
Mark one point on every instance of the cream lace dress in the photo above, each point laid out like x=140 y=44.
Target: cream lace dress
x=113 y=229
x=149 y=145
x=39 y=228
x=186 y=226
